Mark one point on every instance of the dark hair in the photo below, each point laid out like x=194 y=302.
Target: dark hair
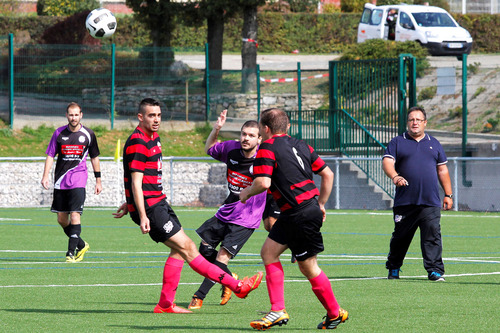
x=275 y=119
x=147 y=102
x=73 y=105
x=251 y=124
x=416 y=108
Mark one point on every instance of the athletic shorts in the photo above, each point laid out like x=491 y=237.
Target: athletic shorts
x=230 y=236
x=162 y=221
x=68 y=201
x=300 y=230
x=272 y=209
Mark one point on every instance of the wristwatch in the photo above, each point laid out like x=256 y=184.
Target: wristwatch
x=449 y=195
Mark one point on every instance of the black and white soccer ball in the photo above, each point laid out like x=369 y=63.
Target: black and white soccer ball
x=101 y=23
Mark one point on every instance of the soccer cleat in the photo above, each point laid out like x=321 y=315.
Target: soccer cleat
x=171 y=309
x=226 y=292
x=331 y=324
x=393 y=274
x=70 y=259
x=196 y=303
x=435 y=276
x=80 y=253
x=249 y=284
x=271 y=319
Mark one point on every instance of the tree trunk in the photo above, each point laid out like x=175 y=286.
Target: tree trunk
x=215 y=38
x=249 y=50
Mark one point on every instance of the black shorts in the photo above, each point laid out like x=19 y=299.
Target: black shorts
x=68 y=201
x=231 y=236
x=272 y=209
x=300 y=230
x=162 y=220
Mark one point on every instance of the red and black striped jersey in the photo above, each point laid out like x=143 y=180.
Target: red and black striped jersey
x=143 y=154
x=290 y=163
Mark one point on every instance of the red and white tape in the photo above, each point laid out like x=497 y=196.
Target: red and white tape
x=293 y=79
x=248 y=40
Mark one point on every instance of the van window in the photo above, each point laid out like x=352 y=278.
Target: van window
x=434 y=20
x=376 y=17
x=365 y=17
x=405 y=21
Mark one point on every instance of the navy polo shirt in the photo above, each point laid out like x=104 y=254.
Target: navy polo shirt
x=417 y=163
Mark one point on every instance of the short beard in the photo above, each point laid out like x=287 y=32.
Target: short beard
x=248 y=149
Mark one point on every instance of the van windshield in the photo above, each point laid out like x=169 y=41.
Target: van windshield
x=433 y=20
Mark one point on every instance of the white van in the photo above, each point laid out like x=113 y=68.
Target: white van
x=432 y=26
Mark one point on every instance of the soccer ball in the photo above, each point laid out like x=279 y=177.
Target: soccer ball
x=101 y=23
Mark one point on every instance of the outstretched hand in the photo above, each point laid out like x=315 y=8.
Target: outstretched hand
x=221 y=120
x=122 y=211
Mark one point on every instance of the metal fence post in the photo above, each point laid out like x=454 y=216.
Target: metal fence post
x=258 y=92
x=299 y=100
x=464 y=105
x=207 y=84
x=112 y=95
x=337 y=184
x=171 y=180
x=11 y=80
x=455 y=185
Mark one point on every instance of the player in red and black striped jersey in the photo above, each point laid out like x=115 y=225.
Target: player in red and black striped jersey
x=285 y=166
x=142 y=165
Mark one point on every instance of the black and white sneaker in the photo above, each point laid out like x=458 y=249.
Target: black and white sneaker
x=435 y=276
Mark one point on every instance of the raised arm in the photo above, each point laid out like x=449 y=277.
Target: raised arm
x=212 y=137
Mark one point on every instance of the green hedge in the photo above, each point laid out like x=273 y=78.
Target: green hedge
x=308 y=33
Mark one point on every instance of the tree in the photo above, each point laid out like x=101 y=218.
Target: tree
x=249 y=47
x=64 y=8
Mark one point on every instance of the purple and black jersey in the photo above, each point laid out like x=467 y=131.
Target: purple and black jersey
x=239 y=176
x=72 y=149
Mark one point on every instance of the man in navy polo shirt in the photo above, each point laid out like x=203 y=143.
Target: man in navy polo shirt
x=415 y=161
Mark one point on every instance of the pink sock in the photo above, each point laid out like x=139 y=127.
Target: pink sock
x=275 y=281
x=171 y=278
x=323 y=290
x=201 y=266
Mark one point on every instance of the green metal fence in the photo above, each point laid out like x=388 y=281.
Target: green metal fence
x=369 y=100
x=107 y=81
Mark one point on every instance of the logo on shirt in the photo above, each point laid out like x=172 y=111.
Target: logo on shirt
x=233 y=161
x=251 y=169
x=65 y=138
x=81 y=139
x=168 y=227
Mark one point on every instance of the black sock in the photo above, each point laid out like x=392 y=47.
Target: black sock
x=74 y=238
x=207 y=284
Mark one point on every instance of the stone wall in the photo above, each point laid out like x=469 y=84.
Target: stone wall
x=189 y=184
x=242 y=106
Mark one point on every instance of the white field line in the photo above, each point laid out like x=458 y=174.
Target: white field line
x=197 y=283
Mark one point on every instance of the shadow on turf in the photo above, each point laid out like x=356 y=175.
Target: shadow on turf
x=75 y=311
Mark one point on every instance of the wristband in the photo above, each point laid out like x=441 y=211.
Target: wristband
x=395 y=176
x=97 y=174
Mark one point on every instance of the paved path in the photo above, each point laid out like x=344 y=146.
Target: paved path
x=289 y=61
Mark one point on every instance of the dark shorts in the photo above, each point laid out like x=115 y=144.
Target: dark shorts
x=230 y=236
x=301 y=230
x=68 y=201
x=162 y=220
x=272 y=209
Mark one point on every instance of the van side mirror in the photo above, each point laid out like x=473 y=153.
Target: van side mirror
x=408 y=26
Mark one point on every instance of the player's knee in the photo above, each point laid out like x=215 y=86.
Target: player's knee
x=208 y=252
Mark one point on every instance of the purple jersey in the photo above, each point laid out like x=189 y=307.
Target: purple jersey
x=72 y=148
x=239 y=176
